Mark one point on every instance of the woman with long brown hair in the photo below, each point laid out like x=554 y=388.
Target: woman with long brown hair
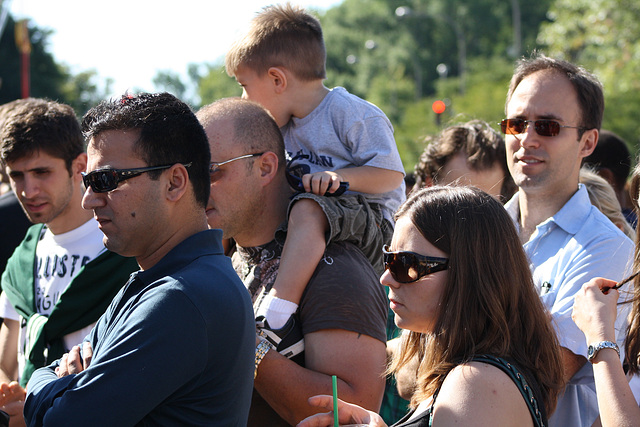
x=595 y=312
x=460 y=285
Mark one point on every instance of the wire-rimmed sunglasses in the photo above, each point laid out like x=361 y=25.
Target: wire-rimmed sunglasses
x=107 y=179
x=408 y=267
x=215 y=166
x=543 y=127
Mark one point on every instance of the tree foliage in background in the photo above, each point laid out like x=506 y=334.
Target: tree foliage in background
x=604 y=37
x=214 y=83
x=48 y=79
x=389 y=52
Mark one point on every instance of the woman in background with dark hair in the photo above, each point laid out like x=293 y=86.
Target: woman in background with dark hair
x=461 y=287
x=470 y=153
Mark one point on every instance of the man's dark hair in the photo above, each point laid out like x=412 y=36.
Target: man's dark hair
x=169 y=133
x=611 y=153
x=32 y=125
x=587 y=86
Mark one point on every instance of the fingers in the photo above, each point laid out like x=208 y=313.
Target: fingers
x=14 y=409
x=600 y=283
x=74 y=360
x=347 y=413
x=322 y=401
x=87 y=354
x=11 y=392
x=595 y=311
x=321 y=182
x=317 y=420
x=71 y=363
x=63 y=369
x=322 y=419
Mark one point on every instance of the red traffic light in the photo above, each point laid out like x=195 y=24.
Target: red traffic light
x=438 y=107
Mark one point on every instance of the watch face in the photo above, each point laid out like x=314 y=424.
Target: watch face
x=591 y=352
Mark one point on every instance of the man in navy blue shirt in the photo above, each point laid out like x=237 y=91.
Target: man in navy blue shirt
x=176 y=345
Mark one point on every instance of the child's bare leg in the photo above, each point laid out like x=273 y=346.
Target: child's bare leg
x=303 y=249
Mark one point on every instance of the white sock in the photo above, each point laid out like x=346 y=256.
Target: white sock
x=276 y=310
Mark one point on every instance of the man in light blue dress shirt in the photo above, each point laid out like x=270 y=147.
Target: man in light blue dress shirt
x=554 y=111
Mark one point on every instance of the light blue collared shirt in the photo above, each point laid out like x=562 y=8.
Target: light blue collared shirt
x=565 y=251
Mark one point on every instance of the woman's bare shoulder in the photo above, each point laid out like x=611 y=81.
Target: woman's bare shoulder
x=478 y=394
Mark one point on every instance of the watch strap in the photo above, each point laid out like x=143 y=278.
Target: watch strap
x=595 y=348
x=262 y=349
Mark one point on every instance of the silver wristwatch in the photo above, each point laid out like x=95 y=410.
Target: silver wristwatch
x=595 y=348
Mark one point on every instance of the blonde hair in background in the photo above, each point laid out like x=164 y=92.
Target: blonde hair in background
x=604 y=198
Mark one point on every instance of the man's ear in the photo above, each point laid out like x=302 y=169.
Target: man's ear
x=278 y=78
x=268 y=166
x=79 y=164
x=178 y=182
x=589 y=142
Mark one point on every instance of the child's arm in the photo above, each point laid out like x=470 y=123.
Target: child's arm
x=363 y=179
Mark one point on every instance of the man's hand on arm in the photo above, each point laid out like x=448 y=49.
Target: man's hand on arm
x=12 y=397
x=73 y=362
x=357 y=360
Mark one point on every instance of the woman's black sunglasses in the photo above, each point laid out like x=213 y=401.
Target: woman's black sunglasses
x=408 y=267
x=107 y=179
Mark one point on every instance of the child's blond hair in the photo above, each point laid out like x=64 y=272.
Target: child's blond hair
x=281 y=36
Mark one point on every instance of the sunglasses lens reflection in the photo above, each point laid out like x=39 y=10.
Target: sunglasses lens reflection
x=512 y=126
x=547 y=127
x=518 y=126
x=401 y=267
x=101 y=181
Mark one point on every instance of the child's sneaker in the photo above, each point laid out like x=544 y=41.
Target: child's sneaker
x=287 y=340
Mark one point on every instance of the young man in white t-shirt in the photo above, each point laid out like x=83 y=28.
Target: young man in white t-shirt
x=42 y=151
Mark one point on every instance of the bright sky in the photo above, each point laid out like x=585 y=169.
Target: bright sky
x=129 y=40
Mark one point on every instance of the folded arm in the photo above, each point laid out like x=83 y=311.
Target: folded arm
x=357 y=360
x=134 y=368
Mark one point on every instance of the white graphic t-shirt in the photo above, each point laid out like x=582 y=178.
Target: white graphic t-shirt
x=59 y=259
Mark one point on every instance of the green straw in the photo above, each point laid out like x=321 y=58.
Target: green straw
x=334 y=382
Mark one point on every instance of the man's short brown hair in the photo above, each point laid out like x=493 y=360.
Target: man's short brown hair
x=281 y=36
x=587 y=86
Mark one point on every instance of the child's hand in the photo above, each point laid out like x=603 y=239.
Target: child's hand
x=321 y=182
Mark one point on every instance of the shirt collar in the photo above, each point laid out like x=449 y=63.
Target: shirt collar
x=570 y=217
x=207 y=242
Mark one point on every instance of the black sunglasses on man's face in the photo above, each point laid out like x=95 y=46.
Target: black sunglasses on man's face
x=107 y=179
